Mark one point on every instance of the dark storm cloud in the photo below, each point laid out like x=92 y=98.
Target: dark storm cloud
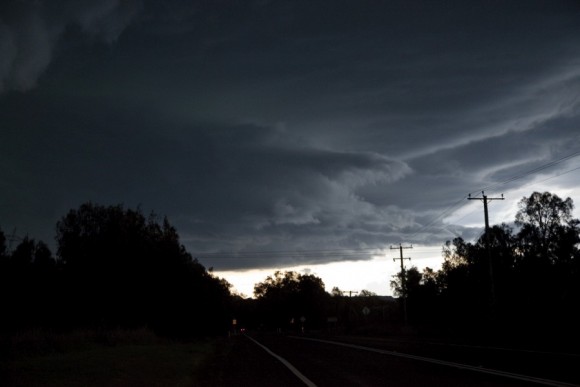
x=222 y=185
x=282 y=125
x=31 y=30
x=332 y=70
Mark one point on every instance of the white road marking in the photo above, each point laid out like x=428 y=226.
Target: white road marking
x=293 y=369
x=447 y=363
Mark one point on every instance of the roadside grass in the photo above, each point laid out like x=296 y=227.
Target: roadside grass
x=101 y=358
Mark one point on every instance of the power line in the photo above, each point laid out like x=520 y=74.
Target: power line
x=448 y=210
x=347 y=253
x=458 y=204
x=233 y=256
x=296 y=251
x=523 y=186
x=538 y=169
x=356 y=253
x=551 y=177
x=264 y=254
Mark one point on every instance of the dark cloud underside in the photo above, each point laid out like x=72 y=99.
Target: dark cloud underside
x=282 y=125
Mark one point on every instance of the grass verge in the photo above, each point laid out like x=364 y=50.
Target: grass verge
x=112 y=358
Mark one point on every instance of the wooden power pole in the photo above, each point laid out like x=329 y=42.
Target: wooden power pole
x=485 y=200
x=403 y=278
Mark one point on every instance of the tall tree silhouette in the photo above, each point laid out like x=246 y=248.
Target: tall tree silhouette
x=126 y=269
x=2 y=245
x=547 y=263
x=27 y=285
x=546 y=222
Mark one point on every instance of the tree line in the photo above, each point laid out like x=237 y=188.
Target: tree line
x=514 y=279
x=116 y=267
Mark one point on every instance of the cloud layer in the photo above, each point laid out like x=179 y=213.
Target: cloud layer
x=288 y=126
x=30 y=32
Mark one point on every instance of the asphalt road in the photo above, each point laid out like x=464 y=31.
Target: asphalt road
x=277 y=360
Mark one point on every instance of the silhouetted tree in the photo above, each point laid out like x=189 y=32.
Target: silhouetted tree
x=422 y=291
x=535 y=271
x=336 y=292
x=43 y=259
x=23 y=255
x=2 y=245
x=28 y=276
x=464 y=277
x=547 y=260
x=129 y=270
x=544 y=219
x=463 y=283
x=284 y=299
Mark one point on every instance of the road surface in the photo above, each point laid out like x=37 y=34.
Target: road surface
x=278 y=360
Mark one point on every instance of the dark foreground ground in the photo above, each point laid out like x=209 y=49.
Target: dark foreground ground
x=139 y=358
x=391 y=361
x=240 y=362
x=100 y=358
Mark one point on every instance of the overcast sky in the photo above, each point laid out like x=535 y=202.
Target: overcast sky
x=338 y=128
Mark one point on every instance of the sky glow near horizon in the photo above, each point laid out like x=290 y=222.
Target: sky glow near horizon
x=373 y=275
x=376 y=274
x=289 y=126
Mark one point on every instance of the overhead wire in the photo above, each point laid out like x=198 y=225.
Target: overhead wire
x=335 y=253
x=358 y=252
x=538 y=169
x=458 y=204
x=550 y=178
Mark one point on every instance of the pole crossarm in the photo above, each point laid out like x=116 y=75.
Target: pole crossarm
x=400 y=248
x=485 y=200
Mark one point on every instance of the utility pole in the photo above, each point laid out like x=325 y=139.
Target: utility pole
x=403 y=278
x=349 y=308
x=485 y=200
